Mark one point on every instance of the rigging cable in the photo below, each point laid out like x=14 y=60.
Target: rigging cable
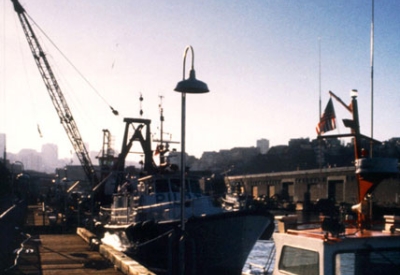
x=28 y=83
x=114 y=111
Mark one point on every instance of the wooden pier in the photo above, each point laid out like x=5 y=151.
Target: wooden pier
x=51 y=253
x=62 y=254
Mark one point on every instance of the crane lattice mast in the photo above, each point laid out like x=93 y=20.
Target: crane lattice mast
x=56 y=95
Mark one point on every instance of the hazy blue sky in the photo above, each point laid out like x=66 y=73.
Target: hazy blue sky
x=260 y=60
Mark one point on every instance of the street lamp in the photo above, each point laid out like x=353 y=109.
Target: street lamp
x=191 y=86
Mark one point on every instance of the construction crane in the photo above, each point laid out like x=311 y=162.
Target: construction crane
x=56 y=95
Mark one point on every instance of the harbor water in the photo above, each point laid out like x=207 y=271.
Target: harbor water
x=261 y=259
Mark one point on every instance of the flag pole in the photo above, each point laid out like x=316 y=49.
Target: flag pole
x=341 y=101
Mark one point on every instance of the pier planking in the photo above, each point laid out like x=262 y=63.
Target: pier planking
x=63 y=254
x=53 y=250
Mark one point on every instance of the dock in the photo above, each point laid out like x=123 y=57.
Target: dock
x=50 y=251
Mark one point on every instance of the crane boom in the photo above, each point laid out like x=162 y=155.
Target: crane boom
x=56 y=95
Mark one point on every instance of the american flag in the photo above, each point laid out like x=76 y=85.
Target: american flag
x=328 y=119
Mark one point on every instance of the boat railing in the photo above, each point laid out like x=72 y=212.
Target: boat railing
x=195 y=206
x=123 y=213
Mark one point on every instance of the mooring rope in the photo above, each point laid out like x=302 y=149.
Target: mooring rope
x=154 y=239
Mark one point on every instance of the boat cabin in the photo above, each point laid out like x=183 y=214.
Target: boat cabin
x=157 y=198
x=354 y=252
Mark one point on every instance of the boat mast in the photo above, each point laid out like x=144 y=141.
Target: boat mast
x=162 y=145
x=372 y=79
x=161 y=148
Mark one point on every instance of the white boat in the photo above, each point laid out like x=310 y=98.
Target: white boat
x=353 y=251
x=341 y=245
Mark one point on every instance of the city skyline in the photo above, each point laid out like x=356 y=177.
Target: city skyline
x=47 y=159
x=265 y=62
x=262 y=143
x=305 y=154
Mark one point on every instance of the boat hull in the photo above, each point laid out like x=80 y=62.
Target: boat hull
x=217 y=244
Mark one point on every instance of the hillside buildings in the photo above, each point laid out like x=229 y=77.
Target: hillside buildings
x=298 y=154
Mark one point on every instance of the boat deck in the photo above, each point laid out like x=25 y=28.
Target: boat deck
x=389 y=228
x=318 y=233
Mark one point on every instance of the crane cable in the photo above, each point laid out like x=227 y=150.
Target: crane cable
x=114 y=111
x=25 y=71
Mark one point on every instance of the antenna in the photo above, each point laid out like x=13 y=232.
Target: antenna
x=372 y=80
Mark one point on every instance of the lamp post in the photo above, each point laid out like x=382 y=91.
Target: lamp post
x=191 y=86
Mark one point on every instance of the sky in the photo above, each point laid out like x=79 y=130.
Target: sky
x=266 y=64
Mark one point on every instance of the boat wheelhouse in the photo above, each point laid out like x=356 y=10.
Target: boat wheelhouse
x=353 y=252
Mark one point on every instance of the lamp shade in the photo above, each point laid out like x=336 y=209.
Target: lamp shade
x=192 y=85
x=354 y=93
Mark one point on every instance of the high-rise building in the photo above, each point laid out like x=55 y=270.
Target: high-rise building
x=263 y=145
x=2 y=145
x=50 y=153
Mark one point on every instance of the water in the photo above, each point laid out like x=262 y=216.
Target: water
x=261 y=259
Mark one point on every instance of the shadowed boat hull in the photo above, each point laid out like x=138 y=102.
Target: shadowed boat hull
x=216 y=244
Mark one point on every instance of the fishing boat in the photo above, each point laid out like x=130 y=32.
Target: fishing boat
x=341 y=244
x=165 y=233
